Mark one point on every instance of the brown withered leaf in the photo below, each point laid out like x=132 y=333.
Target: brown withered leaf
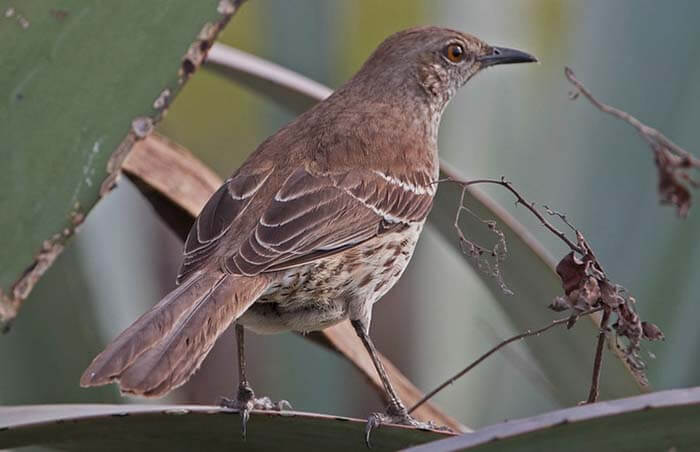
x=652 y=332
x=559 y=304
x=586 y=286
x=589 y=293
x=571 y=270
x=671 y=188
x=611 y=295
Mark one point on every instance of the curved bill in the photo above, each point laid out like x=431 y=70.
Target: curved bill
x=504 y=55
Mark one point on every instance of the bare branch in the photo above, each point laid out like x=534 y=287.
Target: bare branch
x=480 y=359
x=651 y=135
x=561 y=216
x=672 y=161
x=598 y=361
x=478 y=252
x=585 y=285
x=528 y=205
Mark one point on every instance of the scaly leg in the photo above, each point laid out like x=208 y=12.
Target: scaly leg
x=396 y=412
x=245 y=398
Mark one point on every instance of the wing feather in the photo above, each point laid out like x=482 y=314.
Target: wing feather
x=216 y=218
x=315 y=215
x=308 y=217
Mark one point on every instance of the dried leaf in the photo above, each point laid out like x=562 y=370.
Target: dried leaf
x=610 y=295
x=589 y=292
x=559 y=304
x=488 y=261
x=586 y=286
x=571 y=271
x=652 y=332
x=671 y=188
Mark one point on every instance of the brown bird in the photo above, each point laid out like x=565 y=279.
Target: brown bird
x=315 y=227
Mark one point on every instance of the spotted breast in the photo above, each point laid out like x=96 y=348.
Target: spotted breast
x=326 y=292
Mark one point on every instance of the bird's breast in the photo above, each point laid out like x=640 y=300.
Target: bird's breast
x=345 y=285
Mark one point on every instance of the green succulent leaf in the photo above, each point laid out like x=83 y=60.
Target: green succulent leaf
x=665 y=420
x=174 y=428
x=81 y=81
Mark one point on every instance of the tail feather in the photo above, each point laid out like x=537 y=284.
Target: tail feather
x=147 y=330
x=166 y=345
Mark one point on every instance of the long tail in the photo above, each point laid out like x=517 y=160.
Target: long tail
x=166 y=345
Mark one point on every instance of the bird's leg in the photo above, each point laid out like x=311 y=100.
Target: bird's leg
x=245 y=397
x=396 y=412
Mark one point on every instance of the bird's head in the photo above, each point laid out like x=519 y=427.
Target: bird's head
x=435 y=60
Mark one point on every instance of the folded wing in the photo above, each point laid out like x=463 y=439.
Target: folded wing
x=315 y=215
x=222 y=210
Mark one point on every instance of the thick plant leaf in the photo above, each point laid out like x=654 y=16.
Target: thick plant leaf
x=662 y=421
x=177 y=185
x=181 y=427
x=81 y=82
x=528 y=270
x=280 y=84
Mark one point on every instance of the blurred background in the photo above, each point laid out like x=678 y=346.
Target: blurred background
x=514 y=121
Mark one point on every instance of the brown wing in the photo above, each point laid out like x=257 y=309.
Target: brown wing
x=314 y=215
x=216 y=218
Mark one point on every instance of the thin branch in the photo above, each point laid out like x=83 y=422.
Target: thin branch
x=477 y=251
x=672 y=161
x=493 y=350
x=598 y=363
x=561 y=216
x=528 y=205
x=585 y=286
x=650 y=134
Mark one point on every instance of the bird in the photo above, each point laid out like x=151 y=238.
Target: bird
x=316 y=225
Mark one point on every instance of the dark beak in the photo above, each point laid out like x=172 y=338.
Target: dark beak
x=503 y=55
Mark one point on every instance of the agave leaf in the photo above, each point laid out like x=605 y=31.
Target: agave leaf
x=182 y=427
x=81 y=82
x=291 y=90
x=665 y=420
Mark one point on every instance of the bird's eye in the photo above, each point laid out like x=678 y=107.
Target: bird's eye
x=454 y=52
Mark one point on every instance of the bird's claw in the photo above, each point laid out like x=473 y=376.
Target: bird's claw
x=246 y=402
x=373 y=421
x=266 y=404
x=395 y=415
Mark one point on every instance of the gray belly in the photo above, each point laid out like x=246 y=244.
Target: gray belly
x=330 y=290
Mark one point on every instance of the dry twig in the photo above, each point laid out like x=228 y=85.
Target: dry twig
x=522 y=201
x=567 y=320
x=672 y=161
x=586 y=287
x=479 y=252
x=598 y=361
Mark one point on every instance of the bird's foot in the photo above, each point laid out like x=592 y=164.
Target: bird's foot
x=246 y=401
x=396 y=414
